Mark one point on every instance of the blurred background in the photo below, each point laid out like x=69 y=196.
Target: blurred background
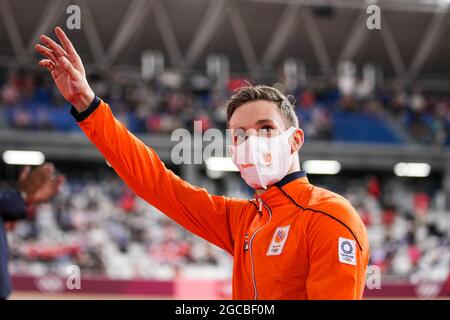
x=374 y=105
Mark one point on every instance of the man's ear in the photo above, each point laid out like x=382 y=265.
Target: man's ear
x=296 y=140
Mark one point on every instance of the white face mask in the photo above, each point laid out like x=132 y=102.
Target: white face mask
x=264 y=161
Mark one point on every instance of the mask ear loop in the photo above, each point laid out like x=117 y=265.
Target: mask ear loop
x=289 y=132
x=288 y=104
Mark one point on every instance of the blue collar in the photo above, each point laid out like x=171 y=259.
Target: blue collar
x=290 y=177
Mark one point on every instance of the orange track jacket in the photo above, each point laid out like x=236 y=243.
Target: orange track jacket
x=295 y=241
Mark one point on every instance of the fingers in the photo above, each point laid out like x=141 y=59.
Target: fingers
x=65 y=42
x=43 y=183
x=54 y=52
x=24 y=174
x=72 y=54
x=45 y=63
x=56 y=48
x=48 y=172
x=68 y=67
x=60 y=62
x=46 y=52
x=43 y=173
x=49 y=167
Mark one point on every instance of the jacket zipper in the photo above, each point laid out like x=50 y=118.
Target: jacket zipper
x=261 y=202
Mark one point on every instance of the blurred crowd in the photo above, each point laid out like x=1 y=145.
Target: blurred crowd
x=105 y=229
x=408 y=227
x=29 y=100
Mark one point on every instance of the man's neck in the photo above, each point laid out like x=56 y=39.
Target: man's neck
x=260 y=191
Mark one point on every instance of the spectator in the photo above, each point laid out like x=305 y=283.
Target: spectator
x=38 y=185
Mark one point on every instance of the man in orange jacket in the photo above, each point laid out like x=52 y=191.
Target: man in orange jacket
x=293 y=241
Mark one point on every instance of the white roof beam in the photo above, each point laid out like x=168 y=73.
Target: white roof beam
x=355 y=39
x=211 y=20
x=393 y=50
x=317 y=41
x=91 y=32
x=129 y=25
x=53 y=10
x=243 y=37
x=167 y=33
x=12 y=29
x=281 y=33
x=429 y=41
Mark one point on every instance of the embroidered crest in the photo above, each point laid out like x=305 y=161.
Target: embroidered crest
x=278 y=241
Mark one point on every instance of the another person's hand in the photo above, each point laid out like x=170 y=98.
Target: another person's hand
x=40 y=184
x=67 y=70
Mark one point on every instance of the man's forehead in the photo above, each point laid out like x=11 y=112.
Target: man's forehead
x=255 y=113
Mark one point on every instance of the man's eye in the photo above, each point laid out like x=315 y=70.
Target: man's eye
x=266 y=131
x=239 y=137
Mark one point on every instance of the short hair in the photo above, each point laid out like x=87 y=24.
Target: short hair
x=265 y=93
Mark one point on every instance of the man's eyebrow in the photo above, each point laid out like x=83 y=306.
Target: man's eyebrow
x=257 y=123
x=263 y=121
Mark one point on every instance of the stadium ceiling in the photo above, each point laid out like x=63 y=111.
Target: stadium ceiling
x=256 y=35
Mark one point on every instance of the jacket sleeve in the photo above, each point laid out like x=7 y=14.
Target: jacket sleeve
x=337 y=262
x=208 y=216
x=12 y=206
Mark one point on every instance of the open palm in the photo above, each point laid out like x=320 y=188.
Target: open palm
x=66 y=68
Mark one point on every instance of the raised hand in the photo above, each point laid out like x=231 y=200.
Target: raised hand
x=40 y=184
x=67 y=69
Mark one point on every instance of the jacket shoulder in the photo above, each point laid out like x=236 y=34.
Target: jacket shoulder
x=336 y=207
